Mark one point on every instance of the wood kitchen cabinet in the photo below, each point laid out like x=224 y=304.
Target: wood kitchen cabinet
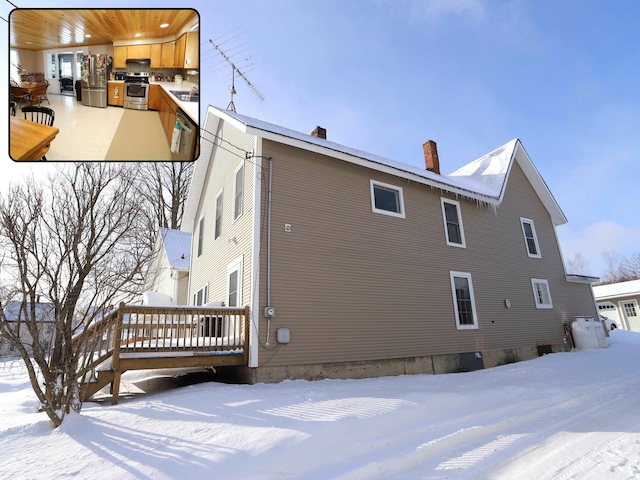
x=154 y=97
x=168 y=54
x=115 y=93
x=156 y=55
x=178 y=58
x=139 y=51
x=168 y=110
x=192 y=50
x=120 y=57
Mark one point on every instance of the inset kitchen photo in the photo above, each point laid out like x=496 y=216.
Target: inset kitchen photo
x=104 y=84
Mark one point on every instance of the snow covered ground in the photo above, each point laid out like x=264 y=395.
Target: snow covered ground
x=563 y=416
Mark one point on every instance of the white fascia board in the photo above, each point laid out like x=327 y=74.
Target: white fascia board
x=397 y=172
x=198 y=176
x=254 y=287
x=538 y=184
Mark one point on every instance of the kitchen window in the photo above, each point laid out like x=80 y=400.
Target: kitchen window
x=387 y=199
x=453 y=223
x=541 y=293
x=530 y=238
x=463 y=300
x=238 y=192
x=217 y=231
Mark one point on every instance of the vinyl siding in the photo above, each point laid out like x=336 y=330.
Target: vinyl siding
x=236 y=238
x=355 y=285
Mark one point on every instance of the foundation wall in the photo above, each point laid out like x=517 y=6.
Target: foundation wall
x=433 y=364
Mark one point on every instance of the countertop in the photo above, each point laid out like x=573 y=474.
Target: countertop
x=190 y=108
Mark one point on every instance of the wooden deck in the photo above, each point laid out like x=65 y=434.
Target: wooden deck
x=142 y=337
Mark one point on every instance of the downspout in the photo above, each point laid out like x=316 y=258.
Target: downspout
x=269 y=246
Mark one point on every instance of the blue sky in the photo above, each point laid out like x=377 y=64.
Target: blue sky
x=384 y=76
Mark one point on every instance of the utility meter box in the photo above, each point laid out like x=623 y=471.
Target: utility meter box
x=283 y=335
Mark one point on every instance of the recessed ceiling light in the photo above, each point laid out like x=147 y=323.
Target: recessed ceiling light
x=88 y=35
x=138 y=34
x=164 y=25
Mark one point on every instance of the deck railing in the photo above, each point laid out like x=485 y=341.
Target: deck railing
x=144 y=331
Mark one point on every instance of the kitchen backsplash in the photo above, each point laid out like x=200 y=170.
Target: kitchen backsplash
x=160 y=74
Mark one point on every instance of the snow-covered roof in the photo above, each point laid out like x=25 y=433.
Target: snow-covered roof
x=483 y=180
x=177 y=247
x=613 y=290
x=44 y=312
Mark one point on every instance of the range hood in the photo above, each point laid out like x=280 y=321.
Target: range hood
x=139 y=61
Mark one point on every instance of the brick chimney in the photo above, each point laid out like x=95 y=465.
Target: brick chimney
x=320 y=133
x=431 y=156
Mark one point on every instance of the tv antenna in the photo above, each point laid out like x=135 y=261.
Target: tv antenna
x=236 y=66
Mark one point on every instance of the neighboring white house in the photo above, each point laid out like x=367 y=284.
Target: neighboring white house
x=619 y=302
x=169 y=270
x=44 y=315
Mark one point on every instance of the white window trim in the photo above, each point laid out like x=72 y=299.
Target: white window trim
x=199 y=237
x=444 y=219
x=544 y=282
x=205 y=295
x=236 y=265
x=400 y=214
x=535 y=237
x=237 y=215
x=466 y=275
x=217 y=234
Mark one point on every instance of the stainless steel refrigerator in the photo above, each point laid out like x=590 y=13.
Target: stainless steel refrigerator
x=95 y=73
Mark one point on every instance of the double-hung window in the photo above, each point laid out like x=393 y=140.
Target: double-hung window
x=238 y=192
x=541 y=293
x=200 y=235
x=463 y=300
x=217 y=230
x=234 y=285
x=201 y=296
x=453 y=223
x=387 y=199
x=530 y=238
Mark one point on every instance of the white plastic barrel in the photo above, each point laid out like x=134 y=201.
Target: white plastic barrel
x=588 y=333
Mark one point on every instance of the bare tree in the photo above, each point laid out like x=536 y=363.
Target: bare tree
x=165 y=186
x=578 y=264
x=77 y=245
x=621 y=268
x=630 y=267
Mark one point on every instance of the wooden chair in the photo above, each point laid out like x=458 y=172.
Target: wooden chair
x=20 y=94
x=42 y=115
x=40 y=93
x=13 y=106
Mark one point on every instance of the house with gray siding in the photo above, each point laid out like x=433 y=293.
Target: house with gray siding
x=354 y=265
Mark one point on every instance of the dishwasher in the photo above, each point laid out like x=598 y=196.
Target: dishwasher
x=188 y=137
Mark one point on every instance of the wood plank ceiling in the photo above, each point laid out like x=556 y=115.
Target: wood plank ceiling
x=42 y=29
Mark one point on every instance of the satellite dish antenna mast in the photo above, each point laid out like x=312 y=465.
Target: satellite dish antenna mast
x=236 y=70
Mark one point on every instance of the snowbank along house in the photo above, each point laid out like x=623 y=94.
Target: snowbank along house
x=354 y=265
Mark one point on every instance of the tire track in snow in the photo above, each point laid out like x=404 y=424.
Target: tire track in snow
x=547 y=458
x=473 y=437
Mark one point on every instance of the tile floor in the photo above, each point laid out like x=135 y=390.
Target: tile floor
x=85 y=132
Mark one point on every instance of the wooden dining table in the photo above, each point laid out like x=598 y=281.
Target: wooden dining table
x=29 y=140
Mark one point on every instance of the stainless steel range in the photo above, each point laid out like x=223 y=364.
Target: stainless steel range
x=136 y=90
